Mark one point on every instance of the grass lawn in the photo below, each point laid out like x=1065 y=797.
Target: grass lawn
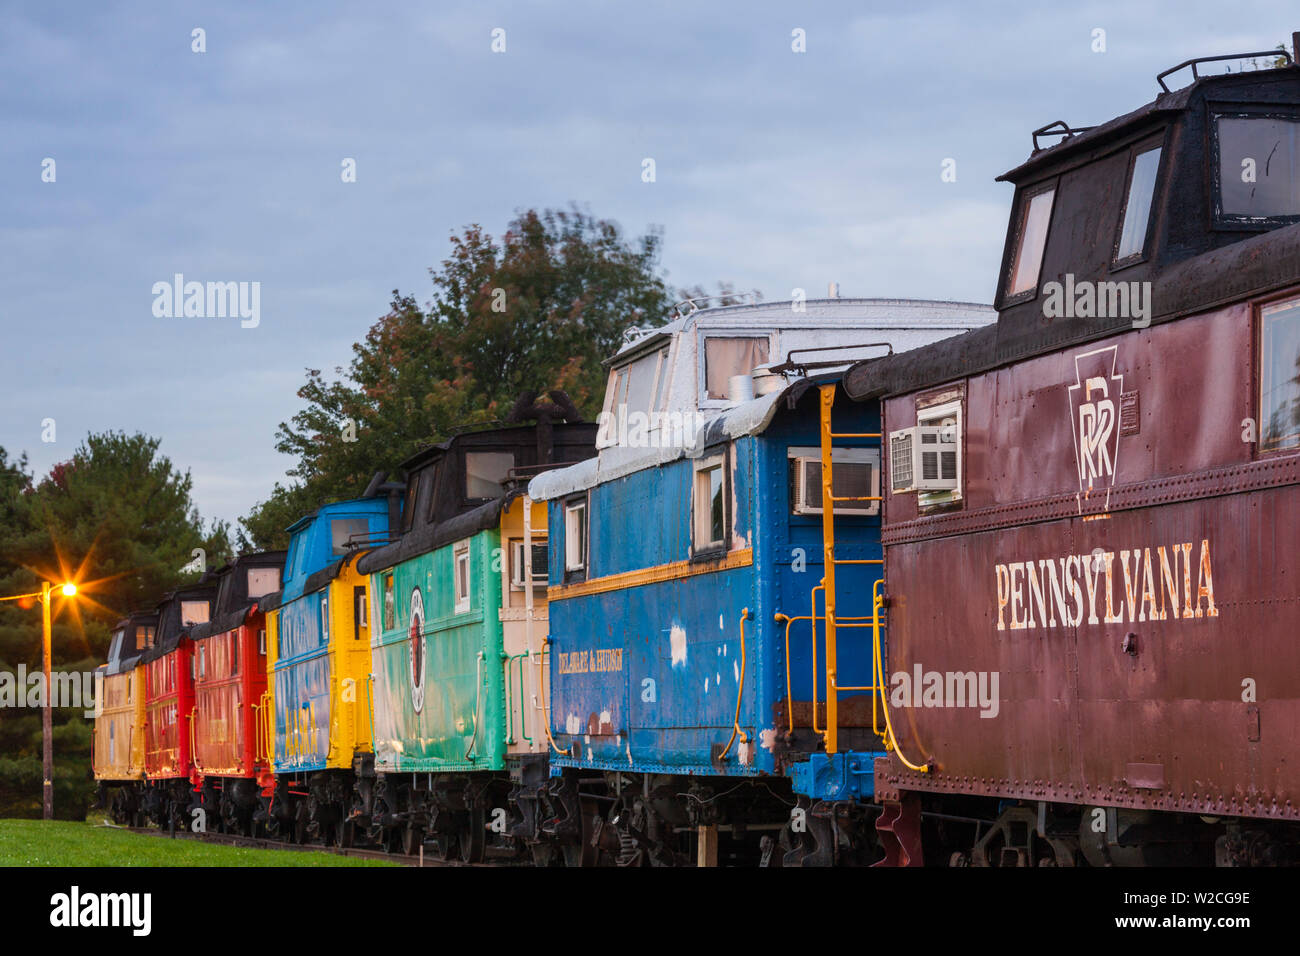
x=63 y=843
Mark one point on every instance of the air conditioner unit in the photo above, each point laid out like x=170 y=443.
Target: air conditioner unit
x=855 y=473
x=923 y=458
x=540 y=564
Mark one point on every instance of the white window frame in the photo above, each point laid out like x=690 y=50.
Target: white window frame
x=1047 y=188
x=701 y=512
x=840 y=455
x=932 y=416
x=460 y=553
x=580 y=562
x=609 y=433
x=701 y=358
x=325 y=618
x=517 y=564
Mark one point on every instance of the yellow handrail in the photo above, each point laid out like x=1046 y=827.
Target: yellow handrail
x=546 y=710
x=891 y=741
x=194 y=752
x=735 y=728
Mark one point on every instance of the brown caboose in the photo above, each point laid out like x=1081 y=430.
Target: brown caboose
x=1092 y=507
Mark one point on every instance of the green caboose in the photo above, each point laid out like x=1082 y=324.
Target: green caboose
x=458 y=656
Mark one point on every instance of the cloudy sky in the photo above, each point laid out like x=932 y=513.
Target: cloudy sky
x=774 y=169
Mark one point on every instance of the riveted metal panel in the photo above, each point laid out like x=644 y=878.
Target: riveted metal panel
x=1141 y=632
x=439 y=670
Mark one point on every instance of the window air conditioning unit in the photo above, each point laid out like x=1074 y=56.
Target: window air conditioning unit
x=923 y=458
x=854 y=473
x=540 y=565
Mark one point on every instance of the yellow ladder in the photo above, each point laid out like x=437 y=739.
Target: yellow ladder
x=833 y=620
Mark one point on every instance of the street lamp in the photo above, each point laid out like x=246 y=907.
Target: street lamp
x=47 y=714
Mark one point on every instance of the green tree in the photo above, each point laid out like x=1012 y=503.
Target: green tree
x=538 y=309
x=118 y=519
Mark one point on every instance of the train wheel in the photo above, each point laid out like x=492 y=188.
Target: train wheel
x=543 y=854
x=472 y=837
x=345 y=834
x=412 y=840
x=584 y=854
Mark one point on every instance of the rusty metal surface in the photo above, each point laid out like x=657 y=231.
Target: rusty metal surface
x=1111 y=700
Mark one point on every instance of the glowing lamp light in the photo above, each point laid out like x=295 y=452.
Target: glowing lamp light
x=69 y=590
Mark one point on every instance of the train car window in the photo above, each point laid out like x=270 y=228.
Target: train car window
x=1258 y=178
x=709 y=506
x=389 y=605
x=575 y=536
x=661 y=381
x=408 y=505
x=143 y=638
x=1031 y=240
x=1137 y=208
x=616 y=390
x=115 y=648
x=637 y=386
x=345 y=532
x=194 y=612
x=460 y=564
x=1279 y=376
x=234 y=655
x=325 y=619
x=518 y=571
x=484 y=472
x=725 y=356
x=855 y=474
x=360 y=620
x=261 y=642
x=262 y=581
x=201 y=659
x=642 y=376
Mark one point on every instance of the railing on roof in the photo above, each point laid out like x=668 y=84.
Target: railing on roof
x=1065 y=131
x=1279 y=52
x=803 y=367
x=695 y=307
x=370 y=539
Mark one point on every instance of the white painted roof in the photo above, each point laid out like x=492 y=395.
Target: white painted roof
x=898 y=323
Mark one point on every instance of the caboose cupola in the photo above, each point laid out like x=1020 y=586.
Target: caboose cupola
x=1107 y=221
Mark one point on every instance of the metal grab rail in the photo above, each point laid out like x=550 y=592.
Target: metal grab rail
x=257 y=729
x=1160 y=77
x=878 y=672
x=735 y=728
x=478 y=699
x=194 y=752
x=546 y=708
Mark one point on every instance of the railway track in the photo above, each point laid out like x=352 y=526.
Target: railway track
x=421 y=859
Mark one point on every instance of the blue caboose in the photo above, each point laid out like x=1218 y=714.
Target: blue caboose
x=711 y=683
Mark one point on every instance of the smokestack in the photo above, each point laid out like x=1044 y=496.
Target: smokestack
x=834 y=290
x=1295 y=48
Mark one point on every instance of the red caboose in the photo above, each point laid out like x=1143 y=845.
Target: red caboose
x=169 y=702
x=230 y=762
x=1092 y=515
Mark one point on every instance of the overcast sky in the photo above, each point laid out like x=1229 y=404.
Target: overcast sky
x=774 y=170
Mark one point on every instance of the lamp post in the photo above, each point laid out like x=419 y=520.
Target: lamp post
x=47 y=712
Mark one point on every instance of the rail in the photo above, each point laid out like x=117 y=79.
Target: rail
x=1280 y=52
x=740 y=690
